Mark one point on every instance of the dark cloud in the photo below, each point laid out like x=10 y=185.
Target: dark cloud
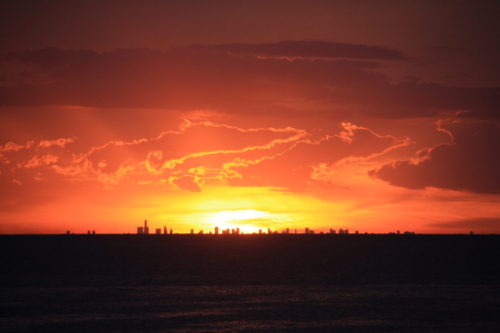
x=197 y=78
x=417 y=99
x=476 y=224
x=54 y=57
x=312 y=49
x=471 y=164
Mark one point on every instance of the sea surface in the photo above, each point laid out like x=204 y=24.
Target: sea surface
x=373 y=283
x=376 y=308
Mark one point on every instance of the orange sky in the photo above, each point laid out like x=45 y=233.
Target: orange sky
x=345 y=119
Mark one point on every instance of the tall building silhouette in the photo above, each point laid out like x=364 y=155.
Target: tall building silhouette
x=146 y=228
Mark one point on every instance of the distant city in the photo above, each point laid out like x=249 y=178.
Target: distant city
x=144 y=230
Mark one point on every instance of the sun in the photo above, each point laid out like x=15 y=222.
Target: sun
x=243 y=214
x=248 y=208
x=244 y=219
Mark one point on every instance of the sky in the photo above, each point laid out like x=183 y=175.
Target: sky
x=374 y=116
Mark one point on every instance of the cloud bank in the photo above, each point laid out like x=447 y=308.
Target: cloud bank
x=278 y=77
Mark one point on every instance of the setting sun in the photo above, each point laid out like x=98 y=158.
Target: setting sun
x=242 y=219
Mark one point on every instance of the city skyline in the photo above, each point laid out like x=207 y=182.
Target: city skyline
x=216 y=230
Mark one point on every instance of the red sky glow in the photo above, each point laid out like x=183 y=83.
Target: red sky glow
x=371 y=116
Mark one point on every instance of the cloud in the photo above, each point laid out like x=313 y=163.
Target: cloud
x=299 y=167
x=12 y=146
x=219 y=77
x=474 y=224
x=186 y=157
x=186 y=182
x=40 y=160
x=201 y=153
x=305 y=49
x=60 y=142
x=470 y=163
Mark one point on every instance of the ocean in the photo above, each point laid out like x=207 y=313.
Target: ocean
x=365 y=283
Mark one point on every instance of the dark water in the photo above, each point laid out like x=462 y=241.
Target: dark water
x=249 y=284
x=379 y=308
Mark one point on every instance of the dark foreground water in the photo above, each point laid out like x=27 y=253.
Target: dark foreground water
x=249 y=284
x=379 y=308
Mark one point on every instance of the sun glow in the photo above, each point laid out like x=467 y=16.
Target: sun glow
x=246 y=208
x=230 y=215
x=243 y=219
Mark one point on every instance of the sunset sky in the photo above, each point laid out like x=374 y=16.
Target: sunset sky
x=374 y=116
